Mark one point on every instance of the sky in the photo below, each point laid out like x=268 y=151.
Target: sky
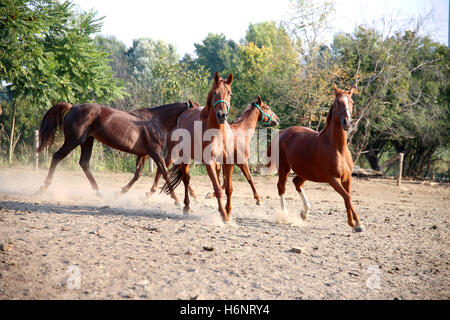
x=183 y=23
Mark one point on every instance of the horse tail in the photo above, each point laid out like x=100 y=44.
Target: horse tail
x=175 y=177
x=52 y=121
x=273 y=154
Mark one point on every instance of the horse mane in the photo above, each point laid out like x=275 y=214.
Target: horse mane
x=329 y=115
x=205 y=111
x=243 y=114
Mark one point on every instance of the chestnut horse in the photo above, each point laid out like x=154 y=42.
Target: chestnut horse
x=142 y=132
x=210 y=138
x=318 y=157
x=243 y=128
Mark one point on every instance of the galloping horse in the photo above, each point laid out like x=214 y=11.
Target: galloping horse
x=140 y=160
x=318 y=157
x=142 y=132
x=243 y=129
x=209 y=134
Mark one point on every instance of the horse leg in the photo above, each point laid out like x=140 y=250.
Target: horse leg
x=298 y=182
x=86 y=152
x=358 y=225
x=228 y=174
x=246 y=171
x=211 y=195
x=336 y=184
x=186 y=180
x=154 y=187
x=218 y=191
x=57 y=157
x=140 y=162
x=161 y=164
x=281 y=185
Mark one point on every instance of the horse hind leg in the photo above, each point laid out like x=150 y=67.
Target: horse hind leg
x=57 y=157
x=246 y=171
x=298 y=182
x=86 y=152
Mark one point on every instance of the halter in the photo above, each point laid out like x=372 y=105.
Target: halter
x=219 y=101
x=264 y=114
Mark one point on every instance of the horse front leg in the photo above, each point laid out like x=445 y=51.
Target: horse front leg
x=159 y=161
x=299 y=182
x=140 y=162
x=228 y=174
x=154 y=187
x=337 y=185
x=358 y=225
x=218 y=192
x=186 y=180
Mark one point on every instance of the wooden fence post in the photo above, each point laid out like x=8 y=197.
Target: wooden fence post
x=150 y=165
x=36 y=154
x=400 y=168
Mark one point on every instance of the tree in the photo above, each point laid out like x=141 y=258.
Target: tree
x=48 y=56
x=216 y=53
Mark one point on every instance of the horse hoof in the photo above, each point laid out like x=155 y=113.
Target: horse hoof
x=304 y=216
x=149 y=194
x=186 y=210
x=177 y=203
x=99 y=195
x=358 y=229
x=258 y=202
x=227 y=218
x=209 y=195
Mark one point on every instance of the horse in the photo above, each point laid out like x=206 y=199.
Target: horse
x=243 y=128
x=142 y=132
x=210 y=137
x=141 y=159
x=318 y=156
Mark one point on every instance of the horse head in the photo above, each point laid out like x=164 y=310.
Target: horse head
x=220 y=96
x=267 y=115
x=343 y=107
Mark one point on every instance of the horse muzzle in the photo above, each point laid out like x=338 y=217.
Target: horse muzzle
x=346 y=124
x=221 y=117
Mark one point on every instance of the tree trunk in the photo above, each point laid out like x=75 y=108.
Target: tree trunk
x=11 y=136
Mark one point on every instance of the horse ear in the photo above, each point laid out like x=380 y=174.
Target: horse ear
x=259 y=100
x=350 y=92
x=230 y=79
x=336 y=90
x=194 y=103
x=216 y=77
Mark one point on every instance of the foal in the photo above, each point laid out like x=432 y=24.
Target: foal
x=318 y=157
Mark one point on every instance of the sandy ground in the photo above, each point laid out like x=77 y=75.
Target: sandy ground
x=70 y=245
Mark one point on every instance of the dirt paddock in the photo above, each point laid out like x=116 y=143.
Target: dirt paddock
x=68 y=244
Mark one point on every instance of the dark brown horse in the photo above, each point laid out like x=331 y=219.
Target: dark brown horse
x=210 y=140
x=142 y=132
x=243 y=128
x=140 y=162
x=318 y=157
